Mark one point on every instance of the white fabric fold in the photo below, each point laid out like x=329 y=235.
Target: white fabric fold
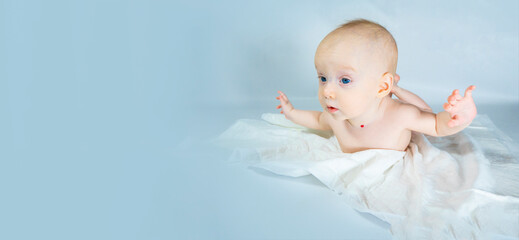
x=464 y=186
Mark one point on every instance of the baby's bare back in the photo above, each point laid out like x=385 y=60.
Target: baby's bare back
x=388 y=132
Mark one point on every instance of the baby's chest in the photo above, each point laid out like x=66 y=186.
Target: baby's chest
x=374 y=137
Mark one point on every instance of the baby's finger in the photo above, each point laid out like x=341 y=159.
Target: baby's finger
x=468 y=92
x=456 y=91
x=457 y=95
x=452 y=99
x=278 y=107
x=277 y=97
x=285 y=98
x=447 y=107
x=281 y=94
x=281 y=111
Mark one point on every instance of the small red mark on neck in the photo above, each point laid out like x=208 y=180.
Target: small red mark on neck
x=361 y=126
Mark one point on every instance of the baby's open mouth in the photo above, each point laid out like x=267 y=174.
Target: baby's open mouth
x=331 y=109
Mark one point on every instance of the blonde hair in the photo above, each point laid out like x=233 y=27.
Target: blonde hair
x=378 y=34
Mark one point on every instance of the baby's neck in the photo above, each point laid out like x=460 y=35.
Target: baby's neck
x=372 y=114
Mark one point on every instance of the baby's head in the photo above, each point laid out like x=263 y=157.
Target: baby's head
x=355 y=64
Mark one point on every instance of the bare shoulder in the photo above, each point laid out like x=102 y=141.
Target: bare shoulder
x=398 y=106
x=403 y=112
x=411 y=117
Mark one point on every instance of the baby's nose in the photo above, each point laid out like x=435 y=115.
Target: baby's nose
x=329 y=92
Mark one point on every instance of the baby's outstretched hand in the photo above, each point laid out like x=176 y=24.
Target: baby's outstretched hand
x=285 y=103
x=462 y=109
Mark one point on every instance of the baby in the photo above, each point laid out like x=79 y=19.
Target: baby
x=356 y=67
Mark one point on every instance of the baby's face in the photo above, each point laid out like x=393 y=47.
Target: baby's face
x=348 y=75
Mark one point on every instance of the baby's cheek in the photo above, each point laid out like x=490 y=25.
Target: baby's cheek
x=350 y=109
x=352 y=105
x=320 y=91
x=320 y=95
x=321 y=100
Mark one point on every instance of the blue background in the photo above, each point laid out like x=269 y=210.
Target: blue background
x=108 y=108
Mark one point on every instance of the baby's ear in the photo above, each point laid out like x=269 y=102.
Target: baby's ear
x=385 y=85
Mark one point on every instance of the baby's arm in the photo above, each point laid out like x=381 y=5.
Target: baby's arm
x=459 y=113
x=309 y=119
x=408 y=97
x=411 y=98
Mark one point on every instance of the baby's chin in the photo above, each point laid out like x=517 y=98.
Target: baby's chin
x=338 y=115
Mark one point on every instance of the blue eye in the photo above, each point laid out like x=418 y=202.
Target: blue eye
x=323 y=79
x=345 y=81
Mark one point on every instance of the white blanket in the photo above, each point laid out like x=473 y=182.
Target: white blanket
x=464 y=186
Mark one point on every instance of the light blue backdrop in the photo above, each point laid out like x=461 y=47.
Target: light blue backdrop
x=102 y=101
